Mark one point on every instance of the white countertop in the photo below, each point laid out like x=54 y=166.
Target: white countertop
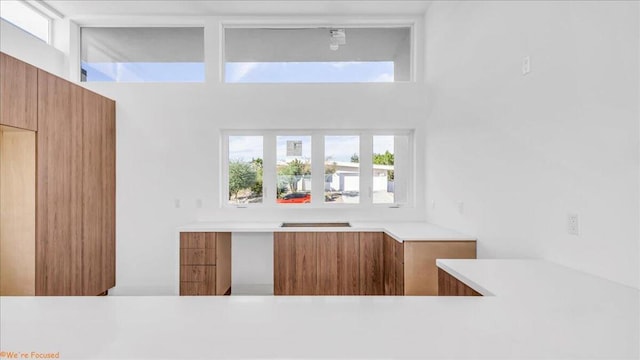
x=538 y=310
x=401 y=231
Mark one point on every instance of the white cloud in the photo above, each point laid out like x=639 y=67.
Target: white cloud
x=385 y=77
x=239 y=70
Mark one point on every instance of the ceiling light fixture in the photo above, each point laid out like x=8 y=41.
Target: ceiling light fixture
x=337 y=37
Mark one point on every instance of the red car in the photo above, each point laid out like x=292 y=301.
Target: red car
x=295 y=198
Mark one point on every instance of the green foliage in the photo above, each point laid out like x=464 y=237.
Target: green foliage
x=242 y=175
x=385 y=159
x=355 y=158
x=293 y=172
x=256 y=189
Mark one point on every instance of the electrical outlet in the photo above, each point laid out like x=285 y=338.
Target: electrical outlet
x=176 y=203
x=461 y=207
x=199 y=203
x=573 y=224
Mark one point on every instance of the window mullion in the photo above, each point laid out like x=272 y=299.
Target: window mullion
x=366 y=169
x=317 y=169
x=269 y=182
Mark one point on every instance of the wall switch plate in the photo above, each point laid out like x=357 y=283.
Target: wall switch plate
x=199 y=203
x=461 y=207
x=573 y=224
x=526 y=65
x=176 y=203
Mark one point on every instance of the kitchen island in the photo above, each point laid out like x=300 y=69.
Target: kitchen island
x=531 y=309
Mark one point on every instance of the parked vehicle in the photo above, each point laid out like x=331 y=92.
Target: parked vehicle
x=295 y=198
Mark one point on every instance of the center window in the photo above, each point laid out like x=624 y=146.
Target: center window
x=317 y=168
x=293 y=168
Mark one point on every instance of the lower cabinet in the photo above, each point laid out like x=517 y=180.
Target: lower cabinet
x=420 y=270
x=359 y=263
x=328 y=263
x=448 y=285
x=205 y=263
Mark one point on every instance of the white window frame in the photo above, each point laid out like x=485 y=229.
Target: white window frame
x=350 y=23
x=49 y=19
x=407 y=168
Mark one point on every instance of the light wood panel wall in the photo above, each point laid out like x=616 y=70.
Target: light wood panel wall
x=420 y=270
x=59 y=251
x=18 y=87
x=17 y=211
x=98 y=193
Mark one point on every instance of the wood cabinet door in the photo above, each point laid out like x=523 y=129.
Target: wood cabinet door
x=371 y=263
x=59 y=253
x=420 y=270
x=348 y=256
x=18 y=93
x=295 y=263
x=284 y=263
x=389 y=265
x=327 y=261
x=399 y=264
x=98 y=193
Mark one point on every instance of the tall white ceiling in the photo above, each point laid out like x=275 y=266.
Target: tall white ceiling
x=76 y=8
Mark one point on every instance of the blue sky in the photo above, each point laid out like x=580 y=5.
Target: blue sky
x=309 y=72
x=245 y=72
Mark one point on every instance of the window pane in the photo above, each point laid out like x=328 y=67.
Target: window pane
x=293 y=169
x=342 y=169
x=317 y=55
x=245 y=169
x=309 y=72
x=383 y=170
x=24 y=17
x=155 y=54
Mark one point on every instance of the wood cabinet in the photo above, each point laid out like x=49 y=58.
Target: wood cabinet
x=360 y=263
x=328 y=263
x=73 y=247
x=449 y=285
x=338 y=263
x=420 y=270
x=19 y=93
x=372 y=263
x=205 y=263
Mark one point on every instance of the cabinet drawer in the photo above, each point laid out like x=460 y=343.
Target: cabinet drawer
x=197 y=288
x=197 y=240
x=197 y=256
x=197 y=273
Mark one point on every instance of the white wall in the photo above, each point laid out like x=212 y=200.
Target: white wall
x=26 y=47
x=523 y=151
x=168 y=148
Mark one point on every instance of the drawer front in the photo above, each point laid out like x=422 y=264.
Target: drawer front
x=198 y=273
x=191 y=288
x=197 y=240
x=197 y=256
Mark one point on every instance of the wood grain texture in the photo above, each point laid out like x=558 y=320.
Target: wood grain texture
x=59 y=262
x=98 y=193
x=17 y=212
x=420 y=270
x=327 y=243
x=399 y=264
x=223 y=263
x=449 y=285
x=284 y=263
x=198 y=280
x=389 y=246
x=197 y=257
x=18 y=93
x=371 y=263
x=348 y=263
x=306 y=264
